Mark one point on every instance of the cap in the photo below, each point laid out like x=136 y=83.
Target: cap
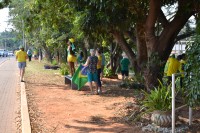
x=71 y=40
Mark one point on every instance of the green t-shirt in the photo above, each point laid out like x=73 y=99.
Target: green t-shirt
x=124 y=64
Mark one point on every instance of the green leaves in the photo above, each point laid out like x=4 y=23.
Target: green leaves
x=158 y=99
x=192 y=79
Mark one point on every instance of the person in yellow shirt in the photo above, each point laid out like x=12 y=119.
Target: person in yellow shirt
x=173 y=67
x=21 y=57
x=71 y=59
x=98 y=53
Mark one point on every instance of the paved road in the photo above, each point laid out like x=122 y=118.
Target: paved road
x=2 y=59
x=9 y=83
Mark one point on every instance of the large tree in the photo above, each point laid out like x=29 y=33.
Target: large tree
x=141 y=28
x=146 y=24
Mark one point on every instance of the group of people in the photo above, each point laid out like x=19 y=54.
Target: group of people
x=175 y=65
x=95 y=63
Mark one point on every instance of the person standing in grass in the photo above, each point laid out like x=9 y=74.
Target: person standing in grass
x=21 y=57
x=124 y=67
x=29 y=54
x=92 y=70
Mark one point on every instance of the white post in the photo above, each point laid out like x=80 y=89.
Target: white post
x=190 y=109
x=173 y=103
x=190 y=116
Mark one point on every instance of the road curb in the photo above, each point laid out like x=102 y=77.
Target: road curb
x=26 y=127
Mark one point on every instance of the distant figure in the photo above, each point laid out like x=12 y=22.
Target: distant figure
x=124 y=67
x=29 y=53
x=80 y=58
x=173 y=67
x=35 y=54
x=21 y=57
x=98 y=54
x=71 y=59
x=103 y=63
x=92 y=70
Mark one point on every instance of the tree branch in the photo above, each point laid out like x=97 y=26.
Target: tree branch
x=162 y=19
x=170 y=32
x=119 y=37
x=130 y=35
x=183 y=36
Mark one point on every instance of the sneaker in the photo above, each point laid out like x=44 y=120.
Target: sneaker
x=99 y=91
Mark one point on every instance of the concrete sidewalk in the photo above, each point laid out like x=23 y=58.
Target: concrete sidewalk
x=9 y=83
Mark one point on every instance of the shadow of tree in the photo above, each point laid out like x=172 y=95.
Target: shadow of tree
x=100 y=124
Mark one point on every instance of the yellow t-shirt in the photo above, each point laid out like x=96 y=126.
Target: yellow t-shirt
x=71 y=58
x=166 y=67
x=99 y=62
x=21 y=56
x=173 y=66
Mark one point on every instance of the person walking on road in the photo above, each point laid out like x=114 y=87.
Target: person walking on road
x=21 y=57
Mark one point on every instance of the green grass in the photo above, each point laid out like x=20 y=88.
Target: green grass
x=38 y=67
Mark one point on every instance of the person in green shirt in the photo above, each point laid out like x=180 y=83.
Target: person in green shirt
x=124 y=67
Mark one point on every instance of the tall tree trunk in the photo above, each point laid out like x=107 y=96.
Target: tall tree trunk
x=48 y=54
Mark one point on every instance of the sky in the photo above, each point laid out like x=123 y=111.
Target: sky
x=4 y=15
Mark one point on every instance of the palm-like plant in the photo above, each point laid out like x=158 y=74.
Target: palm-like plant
x=158 y=99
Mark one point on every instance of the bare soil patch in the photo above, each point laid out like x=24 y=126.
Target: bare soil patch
x=55 y=108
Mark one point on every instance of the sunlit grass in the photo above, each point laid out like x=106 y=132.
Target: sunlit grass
x=35 y=66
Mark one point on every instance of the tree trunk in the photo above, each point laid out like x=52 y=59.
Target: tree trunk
x=48 y=54
x=153 y=50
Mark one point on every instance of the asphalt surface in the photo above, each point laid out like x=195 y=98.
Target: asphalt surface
x=9 y=83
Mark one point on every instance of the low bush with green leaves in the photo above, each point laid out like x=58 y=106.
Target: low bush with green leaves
x=158 y=99
x=64 y=69
x=108 y=72
x=54 y=62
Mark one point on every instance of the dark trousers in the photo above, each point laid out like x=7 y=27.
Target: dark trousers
x=98 y=77
x=29 y=57
x=181 y=82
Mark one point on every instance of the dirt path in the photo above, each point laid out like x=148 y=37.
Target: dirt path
x=59 y=109
x=55 y=108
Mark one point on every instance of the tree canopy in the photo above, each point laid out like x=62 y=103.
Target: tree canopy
x=145 y=30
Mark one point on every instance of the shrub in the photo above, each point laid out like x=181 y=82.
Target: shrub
x=64 y=69
x=54 y=62
x=158 y=99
